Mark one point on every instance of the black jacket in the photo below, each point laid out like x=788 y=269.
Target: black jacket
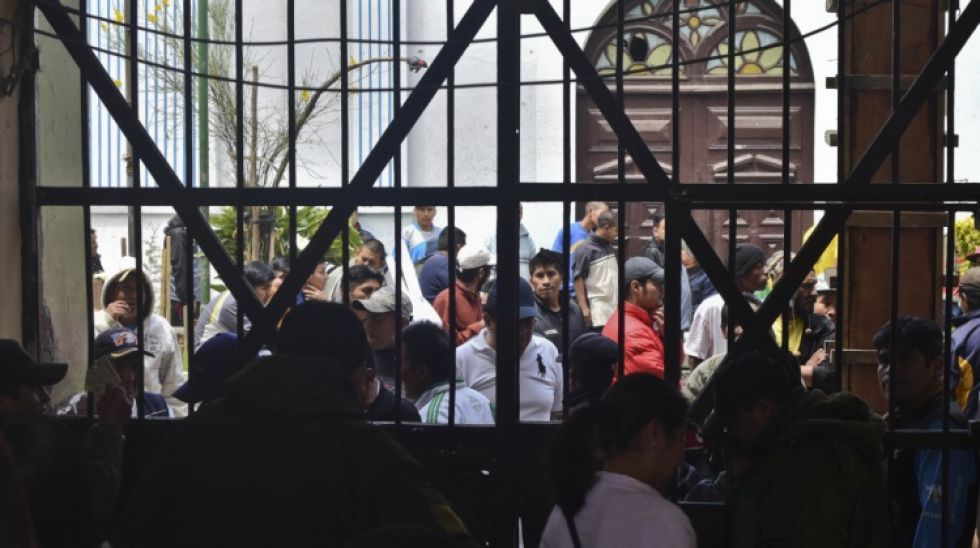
x=386 y=408
x=819 y=330
x=285 y=459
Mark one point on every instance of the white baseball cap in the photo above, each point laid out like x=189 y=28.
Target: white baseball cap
x=472 y=256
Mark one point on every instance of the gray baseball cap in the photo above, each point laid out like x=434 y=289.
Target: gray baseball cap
x=641 y=268
x=383 y=300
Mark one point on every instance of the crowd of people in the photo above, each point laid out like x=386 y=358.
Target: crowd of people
x=797 y=462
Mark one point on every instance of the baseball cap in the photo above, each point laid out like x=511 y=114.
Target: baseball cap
x=591 y=349
x=17 y=368
x=472 y=256
x=527 y=308
x=117 y=342
x=210 y=367
x=383 y=300
x=970 y=281
x=641 y=268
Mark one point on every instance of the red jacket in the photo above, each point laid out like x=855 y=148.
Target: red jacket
x=469 y=312
x=644 y=351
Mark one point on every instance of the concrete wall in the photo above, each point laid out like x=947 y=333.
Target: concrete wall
x=10 y=290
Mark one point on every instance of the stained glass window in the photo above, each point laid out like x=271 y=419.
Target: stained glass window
x=703 y=46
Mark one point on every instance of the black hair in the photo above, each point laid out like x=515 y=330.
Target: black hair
x=360 y=273
x=280 y=264
x=972 y=299
x=258 y=273
x=305 y=328
x=724 y=316
x=443 y=243
x=544 y=259
x=606 y=219
x=748 y=375
x=376 y=247
x=580 y=445
x=426 y=343
x=914 y=333
x=658 y=218
x=470 y=274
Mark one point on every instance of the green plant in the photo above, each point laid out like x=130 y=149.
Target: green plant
x=308 y=219
x=967 y=241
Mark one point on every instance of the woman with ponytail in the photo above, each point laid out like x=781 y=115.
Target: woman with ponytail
x=609 y=464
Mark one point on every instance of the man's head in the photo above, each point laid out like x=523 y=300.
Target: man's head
x=424 y=215
x=750 y=388
x=473 y=265
x=607 y=226
x=23 y=381
x=806 y=295
x=121 y=348
x=546 y=279
x=280 y=267
x=659 y=227
x=306 y=330
x=93 y=242
x=443 y=242
x=750 y=268
x=645 y=283
x=318 y=279
x=826 y=303
x=427 y=358
x=128 y=286
x=969 y=290
x=592 y=363
x=382 y=319
x=592 y=212
x=916 y=367
x=260 y=276
x=363 y=281
x=527 y=312
x=213 y=362
x=372 y=253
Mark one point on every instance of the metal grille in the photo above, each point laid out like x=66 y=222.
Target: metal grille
x=174 y=173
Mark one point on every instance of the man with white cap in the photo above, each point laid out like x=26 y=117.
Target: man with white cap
x=473 y=270
x=539 y=373
x=381 y=322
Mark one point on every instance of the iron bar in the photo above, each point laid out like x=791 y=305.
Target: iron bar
x=86 y=209
x=291 y=119
x=451 y=211
x=564 y=295
x=621 y=45
x=188 y=92
x=730 y=160
x=395 y=16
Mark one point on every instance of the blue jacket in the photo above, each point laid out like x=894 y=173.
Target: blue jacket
x=965 y=360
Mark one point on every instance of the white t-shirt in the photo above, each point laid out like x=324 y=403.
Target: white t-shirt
x=621 y=511
x=705 y=338
x=472 y=407
x=539 y=378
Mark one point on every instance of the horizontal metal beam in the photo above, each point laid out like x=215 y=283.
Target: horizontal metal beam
x=916 y=196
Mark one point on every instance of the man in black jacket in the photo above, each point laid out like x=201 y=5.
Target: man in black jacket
x=286 y=457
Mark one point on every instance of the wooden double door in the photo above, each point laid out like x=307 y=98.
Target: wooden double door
x=704 y=147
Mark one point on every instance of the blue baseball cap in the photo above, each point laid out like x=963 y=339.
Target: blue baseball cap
x=211 y=365
x=527 y=308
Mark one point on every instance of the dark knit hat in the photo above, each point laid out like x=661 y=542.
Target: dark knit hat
x=914 y=333
x=747 y=256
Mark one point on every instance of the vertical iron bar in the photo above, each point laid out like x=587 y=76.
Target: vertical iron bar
x=839 y=306
x=896 y=83
x=621 y=206
x=732 y=213
x=564 y=294
x=842 y=144
x=451 y=211
x=395 y=25
x=189 y=297
x=291 y=115
x=240 y=147
x=86 y=209
x=344 y=98
x=508 y=353
x=137 y=214
x=948 y=360
x=787 y=213
x=672 y=330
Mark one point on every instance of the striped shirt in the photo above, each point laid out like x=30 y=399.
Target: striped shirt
x=472 y=407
